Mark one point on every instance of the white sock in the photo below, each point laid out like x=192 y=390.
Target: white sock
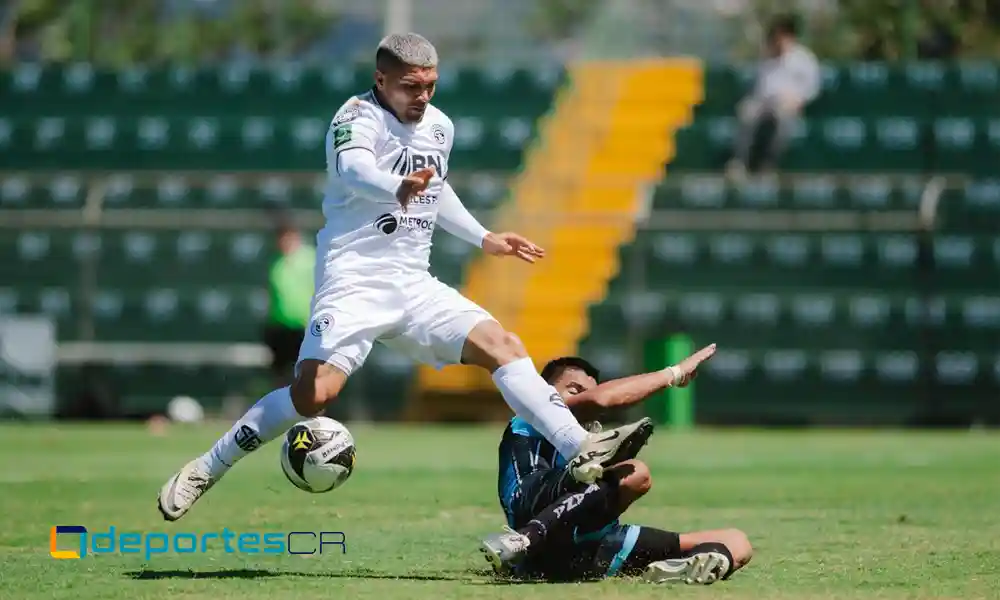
x=270 y=417
x=529 y=396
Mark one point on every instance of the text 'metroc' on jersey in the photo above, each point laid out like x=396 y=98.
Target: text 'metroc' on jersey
x=361 y=231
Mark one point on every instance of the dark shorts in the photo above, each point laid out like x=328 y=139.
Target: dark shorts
x=617 y=549
x=284 y=343
x=538 y=490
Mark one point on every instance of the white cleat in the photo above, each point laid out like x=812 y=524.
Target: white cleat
x=705 y=568
x=502 y=550
x=609 y=447
x=181 y=491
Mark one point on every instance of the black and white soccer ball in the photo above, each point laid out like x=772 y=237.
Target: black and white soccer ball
x=318 y=455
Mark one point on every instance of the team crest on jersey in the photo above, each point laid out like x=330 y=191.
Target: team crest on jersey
x=321 y=324
x=347 y=116
x=438 y=132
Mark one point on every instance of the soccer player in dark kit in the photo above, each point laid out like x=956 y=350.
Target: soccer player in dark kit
x=562 y=530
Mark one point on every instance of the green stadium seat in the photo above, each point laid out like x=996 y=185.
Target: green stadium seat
x=51 y=193
x=480 y=191
x=724 y=86
x=180 y=314
x=864 y=320
x=846 y=143
x=487 y=93
x=170 y=257
x=205 y=119
x=872 y=89
x=780 y=260
x=972 y=208
x=804 y=192
x=143 y=390
x=34 y=257
x=973 y=90
x=56 y=300
x=882 y=387
x=964 y=145
x=224 y=143
x=882 y=193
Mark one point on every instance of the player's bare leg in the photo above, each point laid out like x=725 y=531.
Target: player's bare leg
x=710 y=557
x=316 y=385
x=501 y=353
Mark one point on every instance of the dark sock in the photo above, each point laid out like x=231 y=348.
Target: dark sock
x=651 y=546
x=588 y=510
x=715 y=547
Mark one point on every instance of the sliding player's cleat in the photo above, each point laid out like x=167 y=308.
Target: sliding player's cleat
x=503 y=550
x=181 y=491
x=608 y=448
x=704 y=568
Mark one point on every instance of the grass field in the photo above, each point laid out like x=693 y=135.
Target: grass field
x=834 y=515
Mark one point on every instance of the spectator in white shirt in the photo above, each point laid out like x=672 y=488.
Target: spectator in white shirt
x=788 y=79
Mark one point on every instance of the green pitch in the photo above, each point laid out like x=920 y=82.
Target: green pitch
x=838 y=515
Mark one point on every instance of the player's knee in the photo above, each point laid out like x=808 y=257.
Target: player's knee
x=634 y=477
x=739 y=546
x=314 y=388
x=309 y=399
x=511 y=348
x=491 y=347
x=641 y=480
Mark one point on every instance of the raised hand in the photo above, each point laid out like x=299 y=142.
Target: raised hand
x=413 y=184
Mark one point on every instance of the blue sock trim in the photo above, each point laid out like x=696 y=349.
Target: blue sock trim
x=630 y=537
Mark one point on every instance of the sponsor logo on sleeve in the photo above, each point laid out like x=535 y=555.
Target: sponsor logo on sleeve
x=347 y=116
x=341 y=136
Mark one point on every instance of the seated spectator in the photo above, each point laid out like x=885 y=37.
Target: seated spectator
x=788 y=79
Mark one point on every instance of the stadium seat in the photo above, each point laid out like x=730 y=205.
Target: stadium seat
x=967 y=145
x=225 y=119
x=179 y=314
x=145 y=389
x=973 y=208
x=222 y=143
x=867 y=320
x=804 y=193
x=33 y=257
x=61 y=191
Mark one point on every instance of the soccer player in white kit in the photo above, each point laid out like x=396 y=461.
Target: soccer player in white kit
x=387 y=162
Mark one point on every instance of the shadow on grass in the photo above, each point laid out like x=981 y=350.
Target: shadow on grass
x=473 y=576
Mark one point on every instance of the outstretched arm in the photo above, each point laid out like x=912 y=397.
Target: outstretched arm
x=457 y=220
x=619 y=393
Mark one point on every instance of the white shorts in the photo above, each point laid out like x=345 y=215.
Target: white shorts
x=415 y=314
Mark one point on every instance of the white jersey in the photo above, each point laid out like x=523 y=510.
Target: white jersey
x=362 y=233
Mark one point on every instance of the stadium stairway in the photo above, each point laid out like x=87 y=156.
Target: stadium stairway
x=604 y=144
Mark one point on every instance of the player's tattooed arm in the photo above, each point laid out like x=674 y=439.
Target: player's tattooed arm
x=624 y=392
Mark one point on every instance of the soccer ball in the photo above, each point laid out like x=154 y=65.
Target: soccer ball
x=318 y=455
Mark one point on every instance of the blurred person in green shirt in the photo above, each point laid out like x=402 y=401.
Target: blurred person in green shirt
x=290 y=291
